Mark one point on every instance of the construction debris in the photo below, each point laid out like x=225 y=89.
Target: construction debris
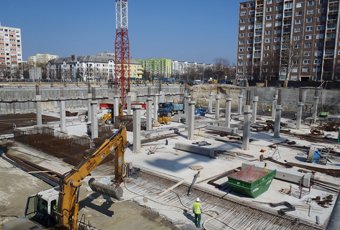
x=324 y=202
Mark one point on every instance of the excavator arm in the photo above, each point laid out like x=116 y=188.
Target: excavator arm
x=69 y=189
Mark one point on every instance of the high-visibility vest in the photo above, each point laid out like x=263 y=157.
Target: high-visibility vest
x=197 y=208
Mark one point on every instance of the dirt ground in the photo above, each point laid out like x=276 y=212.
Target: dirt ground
x=101 y=212
x=10 y=121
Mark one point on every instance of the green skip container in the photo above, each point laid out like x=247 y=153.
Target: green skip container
x=251 y=181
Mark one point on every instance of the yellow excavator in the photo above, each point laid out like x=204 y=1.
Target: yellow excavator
x=59 y=207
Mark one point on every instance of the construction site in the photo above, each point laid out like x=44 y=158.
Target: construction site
x=258 y=158
x=127 y=156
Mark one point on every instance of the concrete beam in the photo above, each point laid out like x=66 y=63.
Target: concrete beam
x=89 y=109
x=116 y=106
x=240 y=102
x=274 y=103
x=155 y=109
x=222 y=129
x=128 y=104
x=315 y=109
x=210 y=152
x=210 y=103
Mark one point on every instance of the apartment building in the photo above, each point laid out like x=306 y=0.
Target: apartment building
x=289 y=39
x=158 y=67
x=10 y=46
x=183 y=67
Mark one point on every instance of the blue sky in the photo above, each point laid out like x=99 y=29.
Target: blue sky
x=192 y=30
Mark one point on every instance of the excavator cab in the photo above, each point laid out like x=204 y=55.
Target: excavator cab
x=42 y=207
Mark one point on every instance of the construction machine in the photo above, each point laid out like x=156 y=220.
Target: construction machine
x=59 y=207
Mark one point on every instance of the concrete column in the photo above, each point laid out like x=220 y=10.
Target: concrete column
x=277 y=125
x=240 y=103
x=148 y=114
x=246 y=127
x=89 y=115
x=315 y=110
x=186 y=109
x=217 y=112
x=255 y=100
x=115 y=106
x=136 y=128
x=38 y=107
x=210 y=103
x=94 y=121
x=155 y=108
x=227 y=111
x=62 y=117
x=128 y=105
x=299 y=115
x=162 y=97
x=191 y=120
x=274 y=103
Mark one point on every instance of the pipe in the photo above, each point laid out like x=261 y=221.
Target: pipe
x=193 y=182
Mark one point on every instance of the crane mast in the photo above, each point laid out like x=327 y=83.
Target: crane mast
x=122 y=49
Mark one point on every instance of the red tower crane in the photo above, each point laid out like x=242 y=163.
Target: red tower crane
x=122 y=49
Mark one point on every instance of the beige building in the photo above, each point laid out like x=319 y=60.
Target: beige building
x=289 y=39
x=41 y=59
x=10 y=46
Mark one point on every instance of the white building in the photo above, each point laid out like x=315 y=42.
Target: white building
x=41 y=59
x=183 y=67
x=10 y=46
x=83 y=68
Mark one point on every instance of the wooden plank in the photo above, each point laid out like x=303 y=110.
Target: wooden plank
x=172 y=187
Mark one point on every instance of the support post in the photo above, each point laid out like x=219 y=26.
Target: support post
x=89 y=114
x=274 y=103
x=191 y=120
x=62 y=116
x=315 y=109
x=227 y=111
x=136 y=129
x=128 y=104
x=116 y=106
x=255 y=101
x=94 y=121
x=217 y=111
x=148 y=113
x=246 y=127
x=155 y=109
x=210 y=103
x=240 y=102
x=186 y=108
x=39 y=113
x=277 y=125
x=299 y=115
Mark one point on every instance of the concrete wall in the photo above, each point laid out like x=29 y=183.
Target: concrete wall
x=329 y=99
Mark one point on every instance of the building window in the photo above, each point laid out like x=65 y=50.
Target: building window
x=269 y=9
x=309 y=20
x=319 y=36
x=241 y=35
x=320 y=27
x=268 y=17
x=297 y=29
x=310 y=3
x=267 y=32
x=296 y=38
x=250 y=27
x=269 y=1
x=297 y=21
x=267 y=40
x=269 y=24
x=306 y=53
x=309 y=28
x=298 y=13
x=308 y=37
x=278 y=16
x=310 y=12
x=299 y=5
x=241 y=49
x=242 y=27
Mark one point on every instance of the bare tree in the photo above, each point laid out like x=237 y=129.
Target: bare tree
x=289 y=57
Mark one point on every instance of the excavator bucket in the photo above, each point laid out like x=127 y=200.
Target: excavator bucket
x=114 y=191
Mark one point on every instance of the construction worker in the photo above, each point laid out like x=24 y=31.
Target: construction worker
x=197 y=211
